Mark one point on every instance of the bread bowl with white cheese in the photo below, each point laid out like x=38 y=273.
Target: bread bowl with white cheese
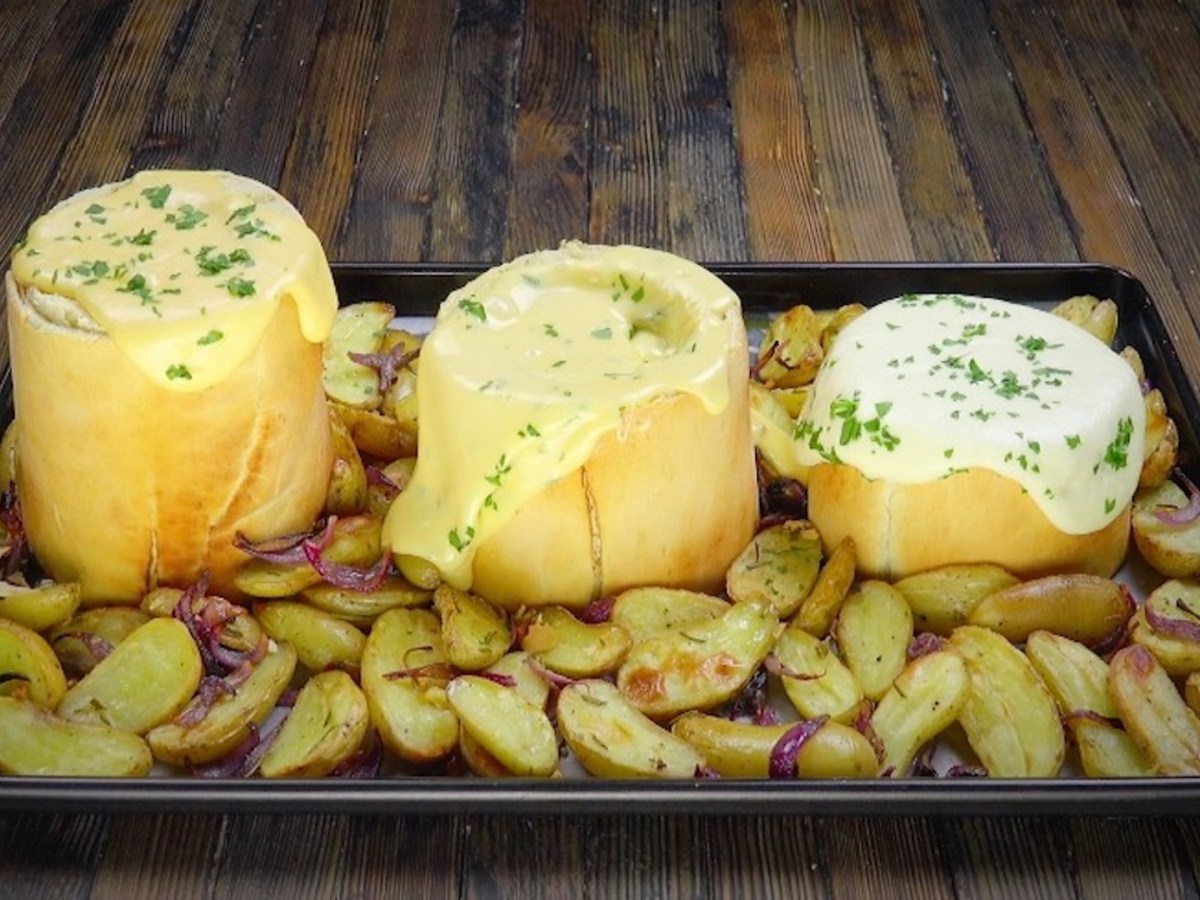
x=947 y=429
x=584 y=429
x=165 y=337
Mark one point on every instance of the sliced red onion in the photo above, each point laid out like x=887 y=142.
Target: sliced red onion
x=388 y=365
x=288 y=549
x=1184 y=629
x=498 y=677
x=776 y=667
x=963 y=770
x=1090 y=715
x=351 y=578
x=10 y=518
x=922 y=766
x=231 y=764
x=441 y=671
x=211 y=688
x=923 y=644
x=376 y=477
x=598 y=611
x=556 y=680
x=862 y=724
x=96 y=646
x=752 y=701
x=364 y=763
x=788 y=747
x=705 y=771
x=1186 y=514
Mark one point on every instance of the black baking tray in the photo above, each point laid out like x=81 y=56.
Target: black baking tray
x=416 y=290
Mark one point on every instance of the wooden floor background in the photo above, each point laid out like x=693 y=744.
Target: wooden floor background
x=720 y=129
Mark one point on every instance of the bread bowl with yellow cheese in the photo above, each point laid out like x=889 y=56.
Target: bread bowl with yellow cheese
x=944 y=429
x=165 y=337
x=584 y=428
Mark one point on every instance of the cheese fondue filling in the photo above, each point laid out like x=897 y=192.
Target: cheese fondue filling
x=531 y=364
x=924 y=386
x=183 y=270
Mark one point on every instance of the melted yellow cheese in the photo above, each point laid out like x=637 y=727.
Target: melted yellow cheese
x=181 y=269
x=528 y=366
x=923 y=386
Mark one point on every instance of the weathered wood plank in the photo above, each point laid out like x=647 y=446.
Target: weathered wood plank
x=394 y=184
x=522 y=857
x=1118 y=860
x=1168 y=41
x=858 y=184
x=936 y=192
x=474 y=159
x=1016 y=195
x=703 y=190
x=47 y=109
x=24 y=27
x=45 y=855
x=1003 y=858
x=628 y=201
x=403 y=856
x=1108 y=220
x=1163 y=167
x=548 y=197
x=762 y=857
x=259 y=120
x=123 y=94
x=254 y=862
x=183 y=129
x=185 y=848
x=318 y=169
x=785 y=217
x=862 y=858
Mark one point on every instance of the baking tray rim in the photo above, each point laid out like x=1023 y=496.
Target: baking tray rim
x=423 y=794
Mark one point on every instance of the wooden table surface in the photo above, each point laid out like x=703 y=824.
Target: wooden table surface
x=735 y=130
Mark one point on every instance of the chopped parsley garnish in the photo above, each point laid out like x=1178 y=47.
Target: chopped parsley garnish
x=214 y=265
x=240 y=287
x=143 y=238
x=241 y=212
x=187 y=218
x=157 y=196
x=177 y=371
x=1073 y=441
x=473 y=308
x=1116 y=454
x=603 y=334
x=461 y=542
x=137 y=285
x=550 y=330
x=211 y=338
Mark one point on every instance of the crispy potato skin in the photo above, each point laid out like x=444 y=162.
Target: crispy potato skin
x=126 y=485
x=972 y=517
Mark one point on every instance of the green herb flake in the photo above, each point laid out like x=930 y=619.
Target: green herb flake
x=473 y=308
x=1073 y=441
x=461 y=542
x=157 y=196
x=179 y=371
x=187 y=218
x=240 y=287
x=211 y=338
x=603 y=334
x=1116 y=454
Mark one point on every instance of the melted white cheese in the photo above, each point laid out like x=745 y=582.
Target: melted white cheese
x=183 y=270
x=923 y=386
x=528 y=366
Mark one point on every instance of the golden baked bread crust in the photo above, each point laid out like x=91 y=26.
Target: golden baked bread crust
x=975 y=516
x=670 y=499
x=125 y=485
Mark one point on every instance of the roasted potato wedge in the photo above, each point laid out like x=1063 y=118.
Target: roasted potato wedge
x=563 y=644
x=361 y=608
x=1174 y=606
x=1172 y=550
x=1085 y=608
x=383 y=483
x=357 y=328
x=475 y=633
x=347 y=492
x=1009 y=716
x=376 y=434
x=229 y=720
x=1106 y=751
x=1154 y=713
x=700 y=666
x=1162 y=442
x=528 y=682
x=779 y=566
x=647 y=612
x=28 y=666
x=612 y=739
x=815 y=680
x=942 y=599
x=791 y=351
x=512 y=730
x=37 y=742
x=743 y=750
x=923 y=702
x=819 y=609
x=39 y=608
x=404 y=676
x=321 y=641
x=1095 y=316
x=400 y=399
x=873 y=631
x=354 y=542
x=1076 y=677
x=146 y=680
x=88 y=636
x=327 y=724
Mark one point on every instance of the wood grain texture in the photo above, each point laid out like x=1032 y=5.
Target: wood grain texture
x=187 y=847
x=44 y=855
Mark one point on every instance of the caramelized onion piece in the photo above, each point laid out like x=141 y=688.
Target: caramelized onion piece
x=350 y=578
x=1186 y=514
x=1184 y=629
x=388 y=365
x=788 y=747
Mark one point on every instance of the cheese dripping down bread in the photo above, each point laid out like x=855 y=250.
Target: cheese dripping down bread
x=951 y=429
x=166 y=360
x=584 y=428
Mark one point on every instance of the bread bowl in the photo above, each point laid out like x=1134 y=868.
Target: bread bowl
x=165 y=338
x=584 y=428
x=944 y=429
